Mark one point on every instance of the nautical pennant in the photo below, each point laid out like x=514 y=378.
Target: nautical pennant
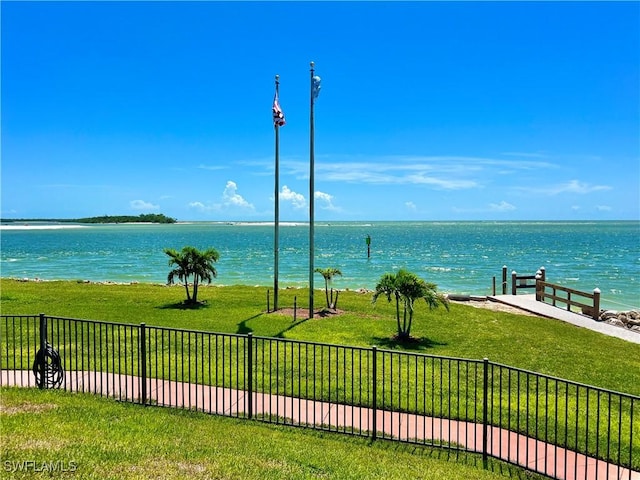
x=316 y=86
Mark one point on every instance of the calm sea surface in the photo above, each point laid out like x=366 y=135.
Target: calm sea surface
x=460 y=257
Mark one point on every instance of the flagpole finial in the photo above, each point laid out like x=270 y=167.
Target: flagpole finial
x=312 y=64
x=277 y=78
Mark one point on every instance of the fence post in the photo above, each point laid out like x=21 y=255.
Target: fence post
x=374 y=392
x=543 y=271
x=596 y=303
x=250 y=374
x=538 y=286
x=143 y=363
x=513 y=282
x=43 y=348
x=295 y=308
x=494 y=285
x=504 y=279
x=485 y=410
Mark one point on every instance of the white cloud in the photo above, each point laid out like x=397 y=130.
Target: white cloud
x=575 y=186
x=441 y=172
x=411 y=206
x=212 y=167
x=572 y=186
x=326 y=200
x=142 y=205
x=603 y=208
x=231 y=197
x=501 y=207
x=296 y=199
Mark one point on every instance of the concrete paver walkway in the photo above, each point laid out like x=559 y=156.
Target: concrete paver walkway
x=530 y=304
x=519 y=449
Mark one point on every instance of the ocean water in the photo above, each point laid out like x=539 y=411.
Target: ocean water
x=460 y=257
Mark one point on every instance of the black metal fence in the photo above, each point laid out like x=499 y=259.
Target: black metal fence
x=552 y=426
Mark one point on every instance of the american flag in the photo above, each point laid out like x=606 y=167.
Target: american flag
x=278 y=115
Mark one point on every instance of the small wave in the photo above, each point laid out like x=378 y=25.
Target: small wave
x=439 y=269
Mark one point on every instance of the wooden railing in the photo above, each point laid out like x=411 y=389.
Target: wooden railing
x=518 y=281
x=564 y=295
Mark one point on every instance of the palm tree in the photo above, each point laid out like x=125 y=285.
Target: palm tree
x=180 y=262
x=387 y=286
x=202 y=268
x=192 y=262
x=408 y=287
x=328 y=274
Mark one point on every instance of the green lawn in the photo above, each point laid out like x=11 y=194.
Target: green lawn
x=102 y=439
x=537 y=344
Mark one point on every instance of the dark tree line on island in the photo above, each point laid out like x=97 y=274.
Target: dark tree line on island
x=142 y=218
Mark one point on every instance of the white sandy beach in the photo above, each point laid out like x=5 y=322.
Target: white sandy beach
x=39 y=227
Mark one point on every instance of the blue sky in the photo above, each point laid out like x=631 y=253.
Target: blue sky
x=428 y=110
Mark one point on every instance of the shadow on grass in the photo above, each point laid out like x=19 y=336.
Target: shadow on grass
x=411 y=343
x=281 y=333
x=184 y=306
x=243 y=329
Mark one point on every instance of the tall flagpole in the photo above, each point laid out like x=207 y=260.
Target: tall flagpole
x=311 y=195
x=276 y=240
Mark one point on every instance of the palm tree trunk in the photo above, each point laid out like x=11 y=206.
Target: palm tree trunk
x=326 y=291
x=196 y=278
x=186 y=287
x=398 y=314
x=404 y=319
x=410 y=321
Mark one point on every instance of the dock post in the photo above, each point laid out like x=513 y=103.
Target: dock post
x=504 y=279
x=596 y=303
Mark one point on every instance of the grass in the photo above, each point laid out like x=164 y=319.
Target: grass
x=537 y=344
x=103 y=439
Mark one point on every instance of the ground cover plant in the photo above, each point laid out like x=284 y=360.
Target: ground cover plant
x=98 y=438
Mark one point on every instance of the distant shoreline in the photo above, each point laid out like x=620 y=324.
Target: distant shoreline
x=52 y=226
x=142 y=218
